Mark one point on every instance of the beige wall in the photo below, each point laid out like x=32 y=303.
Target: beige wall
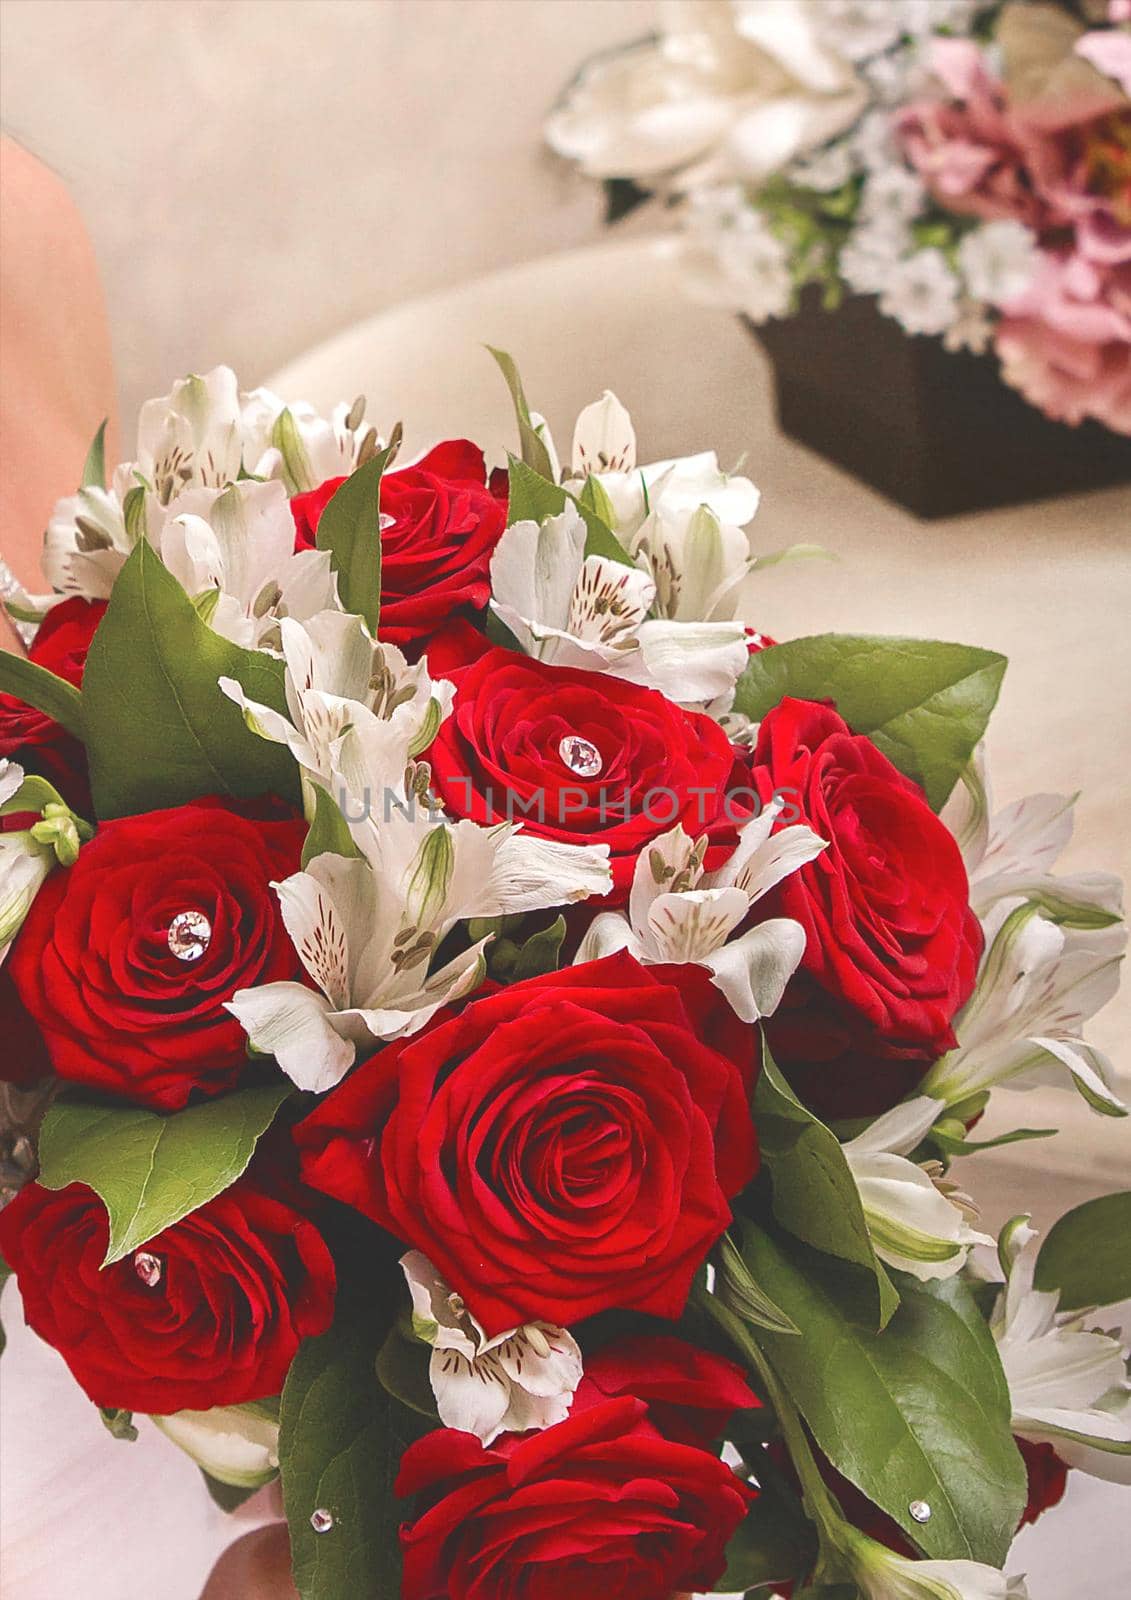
x=260 y=173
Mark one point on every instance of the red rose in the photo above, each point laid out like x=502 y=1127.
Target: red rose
x=691 y=1393
x=892 y=946
x=208 y=1313
x=564 y=1146
x=584 y=758
x=94 y=964
x=436 y=552
x=601 y=1504
x=35 y=740
x=1048 y=1477
x=454 y=648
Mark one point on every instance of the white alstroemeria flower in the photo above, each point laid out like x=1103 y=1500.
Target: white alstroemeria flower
x=202 y=436
x=1067 y=1383
x=1012 y=852
x=1053 y=951
x=883 y=1575
x=239 y=541
x=237 y=1445
x=25 y=864
x=1039 y=982
x=918 y=1222
x=664 y=516
x=302 y=447
x=604 y=439
x=366 y=930
x=591 y=612
x=517 y=1381
x=354 y=707
x=679 y=913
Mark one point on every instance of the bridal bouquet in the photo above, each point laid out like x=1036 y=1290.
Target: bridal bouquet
x=505 y=1034
x=965 y=161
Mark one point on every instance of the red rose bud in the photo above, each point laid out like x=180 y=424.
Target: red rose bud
x=584 y=758
x=892 y=946
x=600 y=1504
x=560 y=1148
x=208 y=1313
x=126 y=960
x=436 y=551
x=30 y=737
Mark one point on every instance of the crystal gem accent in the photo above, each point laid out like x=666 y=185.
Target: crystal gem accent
x=920 y=1510
x=580 y=756
x=190 y=934
x=148 y=1268
x=321 y=1520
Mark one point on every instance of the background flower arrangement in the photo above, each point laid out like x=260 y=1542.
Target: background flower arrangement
x=511 y=1029
x=969 y=164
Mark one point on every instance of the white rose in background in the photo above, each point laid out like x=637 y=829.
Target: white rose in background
x=732 y=90
x=519 y=1380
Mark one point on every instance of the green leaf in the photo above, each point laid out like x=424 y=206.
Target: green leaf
x=920 y=1411
x=152 y=1170
x=533 y=449
x=159 y=730
x=532 y=498
x=118 y=1423
x=747 y=1299
x=350 y=529
x=814 y=1193
x=228 y=1496
x=329 y=833
x=94 y=467
x=341 y=1439
x=924 y=703
x=539 y=954
x=775 y=1544
x=37 y=687
x=1087 y=1254
x=402 y=1366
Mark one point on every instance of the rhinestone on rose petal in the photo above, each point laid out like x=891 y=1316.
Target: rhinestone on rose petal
x=190 y=934
x=321 y=1520
x=920 y=1510
x=148 y=1268
x=580 y=756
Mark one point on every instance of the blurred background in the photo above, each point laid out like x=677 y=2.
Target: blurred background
x=258 y=174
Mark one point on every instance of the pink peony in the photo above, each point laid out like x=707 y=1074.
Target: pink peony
x=1066 y=342
x=967 y=150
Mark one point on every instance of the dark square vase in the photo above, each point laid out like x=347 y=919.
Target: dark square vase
x=937 y=431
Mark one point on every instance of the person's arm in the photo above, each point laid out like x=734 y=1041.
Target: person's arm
x=56 y=371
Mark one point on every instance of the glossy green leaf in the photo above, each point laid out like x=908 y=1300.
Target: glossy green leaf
x=350 y=529
x=532 y=498
x=402 y=1367
x=924 y=703
x=152 y=1170
x=341 y=1439
x=920 y=1411
x=532 y=448
x=540 y=953
x=329 y=833
x=814 y=1194
x=94 y=467
x=37 y=687
x=1087 y=1254
x=775 y=1545
x=159 y=731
